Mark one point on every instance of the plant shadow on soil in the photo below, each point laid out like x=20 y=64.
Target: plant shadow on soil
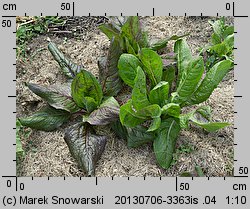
x=47 y=153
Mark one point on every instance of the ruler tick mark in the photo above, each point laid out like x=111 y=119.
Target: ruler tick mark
x=176 y=184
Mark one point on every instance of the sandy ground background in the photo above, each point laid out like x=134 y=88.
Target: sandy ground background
x=47 y=153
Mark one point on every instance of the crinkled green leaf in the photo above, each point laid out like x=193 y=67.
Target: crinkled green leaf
x=128 y=116
x=107 y=112
x=85 y=146
x=159 y=94
x=171 y=109
x=190 y=79
x=211 y=81
x=127 y=65
x=69 y=68
x=108 y=70
x=151 y=111
x=152 y=64
x=164 y=144
x=184 y=56
x=57 y=96
x=139 y=92
x=47 y=119
x=131 y=118
x=86 y=91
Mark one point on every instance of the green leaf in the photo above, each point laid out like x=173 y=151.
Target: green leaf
x=159 y=94
x=201 y=117
x=47 y=119
x=119 y=129
x=156 y=123
x=164 y=144
x=189 y=81
x=130 y=118
x=153 y=64
x=220 y=49
x=211 y=81
x=215 y=39
x=69 y=68
x=139 y=92
x=110 y=31
x=228 y=31
x=86 y=91
x=108 y=70
x=212 y=126
x=138 y=136
x=168 y=75
x=160 y=44
x=129 y=48
x=218 y=27
x=133 y=31
x=107 y=112
x=85 y=146
x=127 y=65
x=118 y=21
x=205 y=112
x=151 y=111
x=184 y=56
x=184 y=120
x=57 y=96
x=229 y=41
x=171 y=109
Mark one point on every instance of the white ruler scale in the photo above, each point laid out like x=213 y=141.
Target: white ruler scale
x=130 y=192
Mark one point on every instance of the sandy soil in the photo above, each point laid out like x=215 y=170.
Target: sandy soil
x=47 y=153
